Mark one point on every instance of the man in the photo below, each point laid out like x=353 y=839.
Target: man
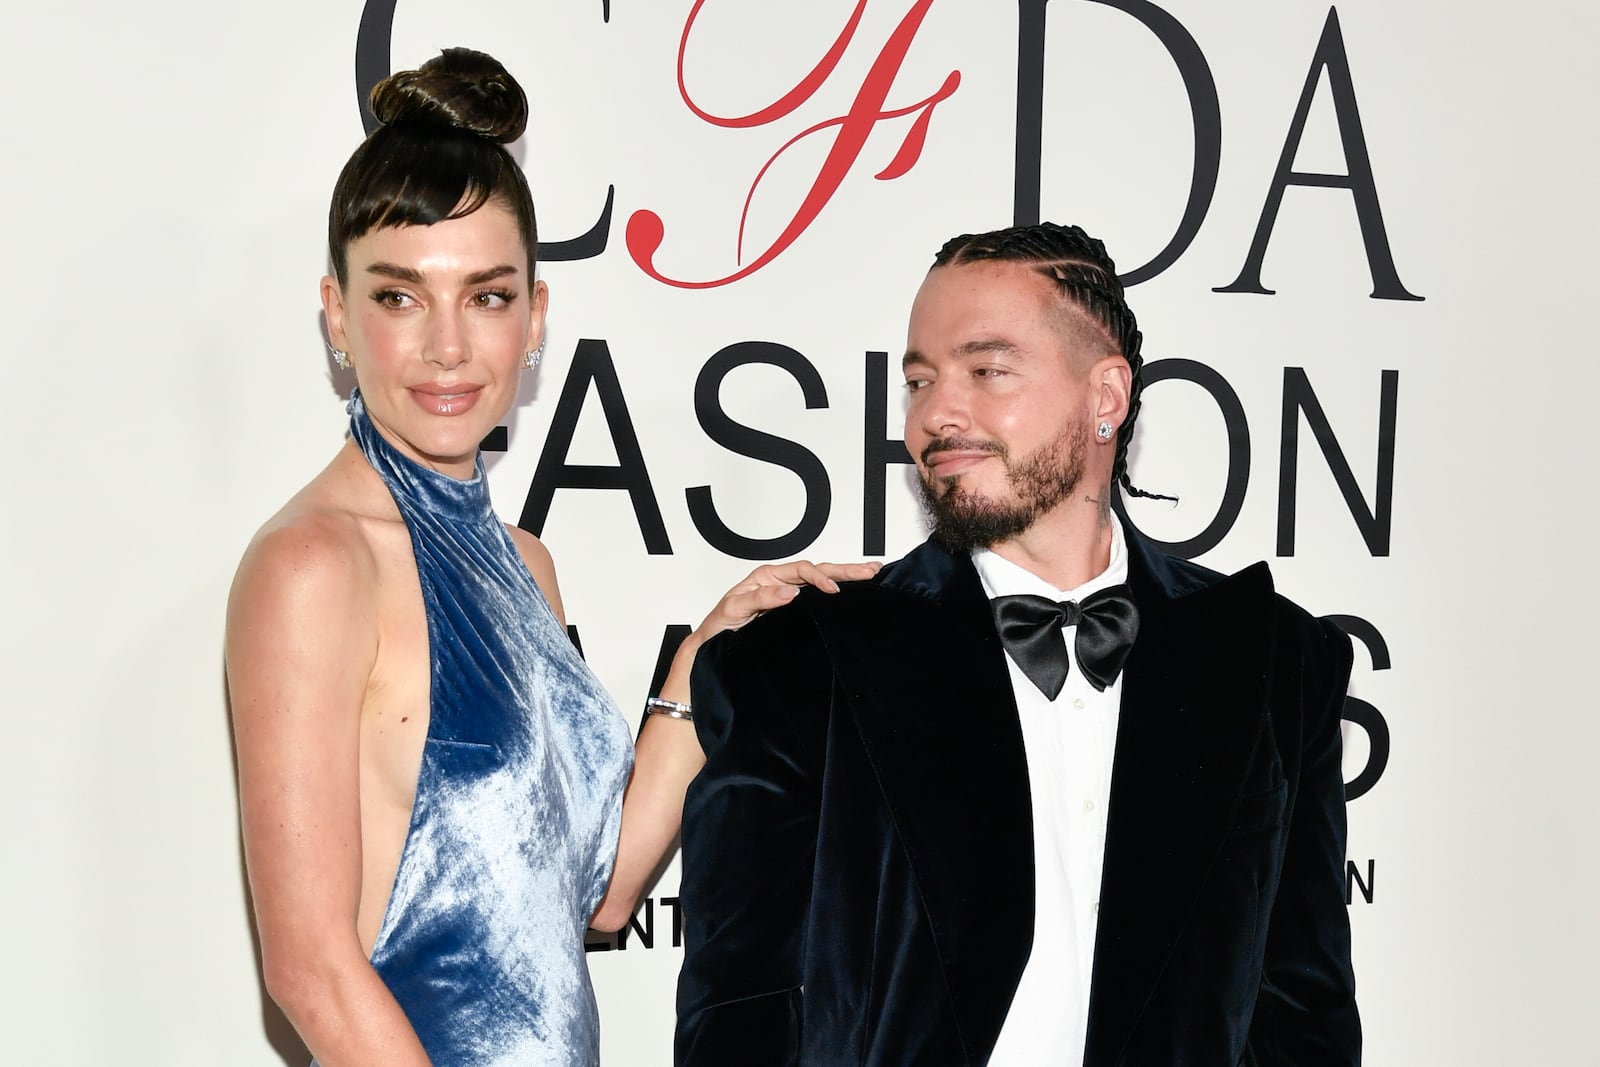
x=927 y=834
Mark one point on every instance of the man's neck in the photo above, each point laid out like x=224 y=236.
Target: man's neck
x=1068 y=545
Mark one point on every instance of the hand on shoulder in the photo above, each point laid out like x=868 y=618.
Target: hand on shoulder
x=773 y=585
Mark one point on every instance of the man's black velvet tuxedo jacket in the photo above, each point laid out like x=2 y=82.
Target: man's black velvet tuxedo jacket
x=858 y=881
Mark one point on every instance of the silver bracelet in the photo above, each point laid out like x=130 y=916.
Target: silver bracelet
x=670 y=708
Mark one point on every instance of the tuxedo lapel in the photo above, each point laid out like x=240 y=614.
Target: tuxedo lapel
x=926 y=680
x=1192 y=713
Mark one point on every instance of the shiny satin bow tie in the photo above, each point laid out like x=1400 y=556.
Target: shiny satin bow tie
x=1030 y=628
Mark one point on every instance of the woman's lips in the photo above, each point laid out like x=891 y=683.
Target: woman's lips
x=446 y=399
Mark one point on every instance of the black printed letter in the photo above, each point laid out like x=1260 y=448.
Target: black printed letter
x=763 y=446
x=592 y=363
x=1330 y=56
x=1203 y=107
x=1373 y=522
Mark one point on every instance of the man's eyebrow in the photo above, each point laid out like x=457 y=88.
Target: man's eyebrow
x=985 y=345
x=979 y=347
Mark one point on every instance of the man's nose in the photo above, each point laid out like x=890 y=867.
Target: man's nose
x=945 y=409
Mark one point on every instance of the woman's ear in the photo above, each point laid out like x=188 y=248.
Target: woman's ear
x=538 y=308
x=333 y=313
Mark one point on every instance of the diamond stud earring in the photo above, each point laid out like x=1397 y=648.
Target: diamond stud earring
x=531 y=359
x=1103 y=431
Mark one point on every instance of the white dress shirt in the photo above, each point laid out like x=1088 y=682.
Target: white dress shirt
x=1070 y=742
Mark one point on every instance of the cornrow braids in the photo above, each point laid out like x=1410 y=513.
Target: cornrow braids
x=1086 y=277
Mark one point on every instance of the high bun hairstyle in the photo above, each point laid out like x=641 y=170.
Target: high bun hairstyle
x=1085 y=276
x=437 y=154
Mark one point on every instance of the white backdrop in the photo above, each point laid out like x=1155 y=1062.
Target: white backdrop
x=167 y=171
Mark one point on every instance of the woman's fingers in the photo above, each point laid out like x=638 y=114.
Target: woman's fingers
x=773 y=585
x=762 y=598
x=804 y=572
x=825 y=576
x=850 y=572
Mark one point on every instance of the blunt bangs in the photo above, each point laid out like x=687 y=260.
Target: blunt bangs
x=405 y=175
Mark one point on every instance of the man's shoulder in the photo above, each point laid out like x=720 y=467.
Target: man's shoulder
x=1183 y=577
x=787 y=661
x=803 y=628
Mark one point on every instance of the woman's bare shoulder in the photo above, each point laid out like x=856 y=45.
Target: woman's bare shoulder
x=540 y=564
x=320 y=553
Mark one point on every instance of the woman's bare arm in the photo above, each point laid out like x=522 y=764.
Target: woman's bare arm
x=667 y=755
x=301 y=642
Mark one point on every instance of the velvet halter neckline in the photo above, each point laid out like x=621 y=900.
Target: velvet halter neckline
x=518 y=796
x=464 y=500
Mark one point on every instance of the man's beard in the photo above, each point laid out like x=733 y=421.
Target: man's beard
x=963 y=521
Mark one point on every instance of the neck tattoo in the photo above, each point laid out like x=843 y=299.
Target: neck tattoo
x=1102 y=508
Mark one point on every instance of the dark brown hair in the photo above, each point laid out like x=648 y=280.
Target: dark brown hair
x=1085 y=276
x=437 y=154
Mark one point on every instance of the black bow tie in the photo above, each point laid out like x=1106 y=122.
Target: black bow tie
x=1030 y=628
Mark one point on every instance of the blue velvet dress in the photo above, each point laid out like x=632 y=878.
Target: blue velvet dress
x=519 y=798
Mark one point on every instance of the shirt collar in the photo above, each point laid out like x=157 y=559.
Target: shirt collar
x=1001 y=577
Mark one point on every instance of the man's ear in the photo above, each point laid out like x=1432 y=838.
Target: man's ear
x=1112 y=379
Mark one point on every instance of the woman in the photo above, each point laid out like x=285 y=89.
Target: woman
x=430 y=777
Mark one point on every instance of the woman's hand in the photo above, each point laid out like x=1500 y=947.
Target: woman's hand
x=773 y=585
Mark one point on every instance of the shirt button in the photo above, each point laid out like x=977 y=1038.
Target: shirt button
x=1077 y=702
x=1088 y=806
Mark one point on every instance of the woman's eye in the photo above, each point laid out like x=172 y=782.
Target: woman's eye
x=492 y=298
x=390 y=298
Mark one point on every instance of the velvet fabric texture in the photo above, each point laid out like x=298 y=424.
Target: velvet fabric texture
x=514 y=827
x=858 y=882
